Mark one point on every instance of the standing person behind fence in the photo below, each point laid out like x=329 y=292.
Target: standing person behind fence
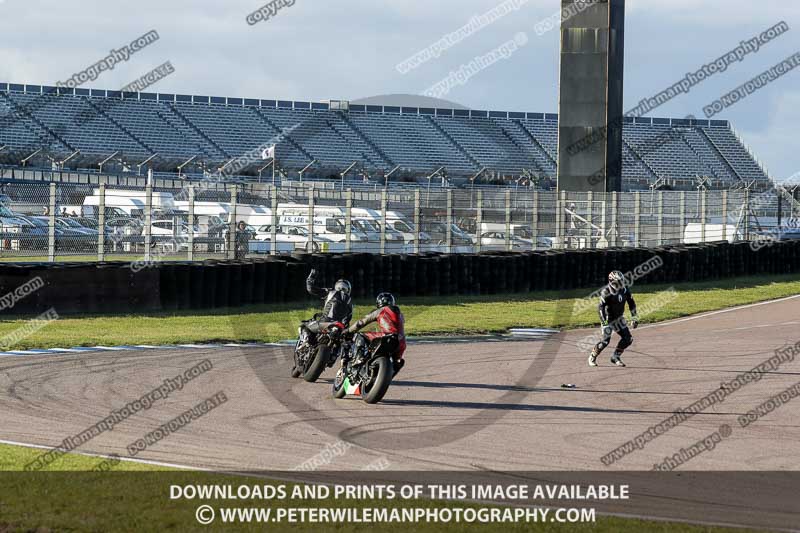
x=613 y=298
x=242 y=240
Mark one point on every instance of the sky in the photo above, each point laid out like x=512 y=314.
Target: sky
x=319 y=50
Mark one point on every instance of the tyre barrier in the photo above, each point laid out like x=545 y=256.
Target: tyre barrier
x=97 y=288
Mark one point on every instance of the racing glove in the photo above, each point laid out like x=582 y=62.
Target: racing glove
x=634 y=321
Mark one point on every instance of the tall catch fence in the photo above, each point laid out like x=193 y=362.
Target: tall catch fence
x=52 y=222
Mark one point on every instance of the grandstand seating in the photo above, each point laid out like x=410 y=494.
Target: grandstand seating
x=216 y=130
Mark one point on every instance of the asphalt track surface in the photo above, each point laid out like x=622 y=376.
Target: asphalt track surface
x=483 y=406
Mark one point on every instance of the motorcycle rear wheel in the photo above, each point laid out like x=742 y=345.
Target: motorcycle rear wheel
x=381 y=374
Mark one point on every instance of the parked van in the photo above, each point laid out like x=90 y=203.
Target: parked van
x=131 y=203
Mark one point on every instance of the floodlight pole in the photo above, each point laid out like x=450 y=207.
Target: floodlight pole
x=348 y=169
x=143 y=163
x=70 y=156
x=182 y=165
x=106 y=160
x=262 y=169
x=308 y=166
x=387 y=176
x=34 y=154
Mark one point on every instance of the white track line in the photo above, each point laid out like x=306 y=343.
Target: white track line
x=106 y=456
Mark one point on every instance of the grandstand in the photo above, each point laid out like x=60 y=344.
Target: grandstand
x=81 y=128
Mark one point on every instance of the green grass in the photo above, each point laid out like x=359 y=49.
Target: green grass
x=424 y=316
x=135 y=498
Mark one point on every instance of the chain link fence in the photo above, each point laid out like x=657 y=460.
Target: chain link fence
x=81 y=222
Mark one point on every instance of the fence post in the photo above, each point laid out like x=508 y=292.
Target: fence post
x=478 y=221
x=348 y=219
x=637 y=219
x=416 y=220
x=703 y=216
x=231 y=244
x=615 y=218
x=746 y=216
x=310 y=245
x=725 y=215
x=273 y=249
x=101 y=222
x=509 y=246
x=190 y=245
x=148 y=222
x=384 y=202
x=449 y=218
x=535 y=220
x=660 y=218
x=559 y=232
x=683 y=214
x=589 y=221
x=51 y=230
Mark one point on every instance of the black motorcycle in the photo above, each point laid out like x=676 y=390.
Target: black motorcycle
x=367 y=368
x=313 y=353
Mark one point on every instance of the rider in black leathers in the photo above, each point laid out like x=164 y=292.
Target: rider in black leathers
x=611 y=309
x=337 y=307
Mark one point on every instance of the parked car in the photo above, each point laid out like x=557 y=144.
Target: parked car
x=296 y=236
x=496 y=240
x=438 y=234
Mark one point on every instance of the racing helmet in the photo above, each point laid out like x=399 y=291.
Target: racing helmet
x=616 y=278
x=384 y=299
x=342 y=286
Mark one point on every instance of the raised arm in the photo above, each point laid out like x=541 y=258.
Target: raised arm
x=312 y=288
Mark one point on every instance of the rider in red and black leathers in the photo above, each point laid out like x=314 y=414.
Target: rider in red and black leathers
x=390 y=322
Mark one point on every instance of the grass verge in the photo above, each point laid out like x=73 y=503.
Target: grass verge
x=424 y=316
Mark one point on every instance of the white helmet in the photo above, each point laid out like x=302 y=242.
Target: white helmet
x=616 y=278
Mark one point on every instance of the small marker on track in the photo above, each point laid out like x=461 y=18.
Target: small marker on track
x=569 y=386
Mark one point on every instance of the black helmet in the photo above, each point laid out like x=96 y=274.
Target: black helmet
x=342 y=286
x=384 y=299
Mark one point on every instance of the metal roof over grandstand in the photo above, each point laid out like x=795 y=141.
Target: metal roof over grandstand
x=85 y=127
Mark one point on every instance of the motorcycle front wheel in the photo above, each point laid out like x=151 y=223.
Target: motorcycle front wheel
x=339 y=390
x=296 y=370
x=380 y=377
x=317 y=366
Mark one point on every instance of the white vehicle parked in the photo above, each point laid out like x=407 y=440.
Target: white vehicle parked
x=496 y=240
x=291 y=238
x=129 y=202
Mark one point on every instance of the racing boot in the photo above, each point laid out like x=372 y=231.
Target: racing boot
x=616 y=359
x=593 y=357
